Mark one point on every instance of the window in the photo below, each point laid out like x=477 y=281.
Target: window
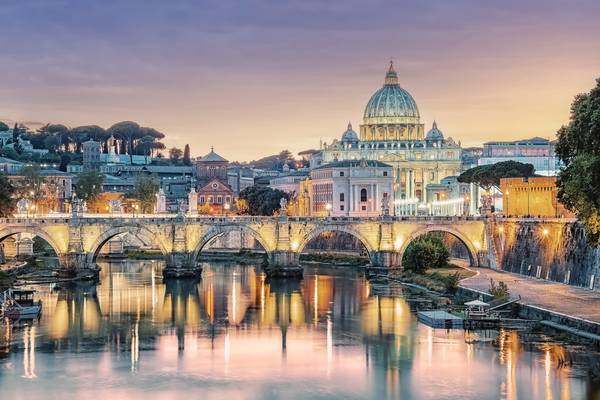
x=341 y=196
x=219 y=199
x=341 y=173
x=363 y=195
x=384 y=173
x=364 y=208
x=341 y=207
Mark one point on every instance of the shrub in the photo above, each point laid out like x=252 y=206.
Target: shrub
x=427 y=251
x=498 y=290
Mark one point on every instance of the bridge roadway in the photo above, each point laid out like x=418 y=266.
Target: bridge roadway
x=78 y=238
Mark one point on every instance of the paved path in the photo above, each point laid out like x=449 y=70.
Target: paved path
x=565 y=299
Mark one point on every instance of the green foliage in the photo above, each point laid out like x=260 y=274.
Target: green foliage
x=488 y=176
x=89 y=185
x=498 y=290
x=274 y=162
x=7 y=201
x=30 y=185
x=186 y=155
x=175 y=154
x=578 y=147
x=452 y=282
x=144 y=191
x=426 y=251
x=262 y=200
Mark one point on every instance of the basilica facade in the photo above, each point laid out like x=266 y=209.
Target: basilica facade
x=392 y=133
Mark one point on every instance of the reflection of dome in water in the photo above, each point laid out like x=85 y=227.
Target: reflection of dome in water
x=391 y=104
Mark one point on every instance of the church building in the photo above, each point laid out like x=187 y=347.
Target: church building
x=392 y=133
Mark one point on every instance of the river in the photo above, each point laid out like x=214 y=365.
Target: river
x=235 y=335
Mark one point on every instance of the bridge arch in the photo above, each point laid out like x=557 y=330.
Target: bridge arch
x=146 y=234
x=335 y=228
x=14 y=230
x=218 y=230
x=471 y=249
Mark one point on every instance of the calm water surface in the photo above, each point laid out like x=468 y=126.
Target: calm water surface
x=234 y=335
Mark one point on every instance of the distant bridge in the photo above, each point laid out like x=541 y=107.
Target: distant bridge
x=78 y=238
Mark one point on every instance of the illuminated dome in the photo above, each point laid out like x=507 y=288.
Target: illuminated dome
x=391 y=104
x=434 y=133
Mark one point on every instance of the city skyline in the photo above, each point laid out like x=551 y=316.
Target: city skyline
x=255 y=78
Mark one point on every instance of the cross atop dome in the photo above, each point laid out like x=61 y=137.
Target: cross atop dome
x=349 y=125
x=391 y=77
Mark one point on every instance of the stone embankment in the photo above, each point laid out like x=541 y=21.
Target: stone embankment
x=548 y=249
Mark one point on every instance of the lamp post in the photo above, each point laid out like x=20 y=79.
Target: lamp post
x=328 y=208
x=226 y=207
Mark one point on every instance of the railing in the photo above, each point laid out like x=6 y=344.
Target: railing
x=154 y=218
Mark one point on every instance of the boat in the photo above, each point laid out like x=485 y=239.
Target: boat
x=20 y=304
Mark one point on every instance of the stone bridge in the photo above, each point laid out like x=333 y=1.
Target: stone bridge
x=77 y=239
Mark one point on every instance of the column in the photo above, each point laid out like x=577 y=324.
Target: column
x=350 y=198
x=425 y=173
x=413 y=191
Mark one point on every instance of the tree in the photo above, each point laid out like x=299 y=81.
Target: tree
x=15 y=133
x=89 y=185
x=30 y=184
x=488 y=176
x=126 y=132
x=426 y=251
x=3 y=127
x=498 y=290
x=7 y=200
x=175 y=154
x=578 y=147
x=263 y=200
x=145 y=189
x=186 y=155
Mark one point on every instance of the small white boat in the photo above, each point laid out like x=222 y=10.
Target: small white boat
x=20 y=304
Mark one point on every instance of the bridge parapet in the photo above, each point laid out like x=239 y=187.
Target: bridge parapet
x=181 y=238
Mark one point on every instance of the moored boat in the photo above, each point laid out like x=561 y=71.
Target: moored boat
x=20 y=304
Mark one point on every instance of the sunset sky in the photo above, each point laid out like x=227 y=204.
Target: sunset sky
x=255 y=77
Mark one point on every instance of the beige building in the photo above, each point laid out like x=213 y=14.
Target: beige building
x=536 y=197
x=351 y=188
x=392 y=133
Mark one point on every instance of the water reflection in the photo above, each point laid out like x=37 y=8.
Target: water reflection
x=235 y=334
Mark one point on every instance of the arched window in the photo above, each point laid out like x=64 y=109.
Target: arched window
x=363 y=195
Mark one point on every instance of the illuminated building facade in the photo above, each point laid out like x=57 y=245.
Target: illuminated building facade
x=351 y=188
x=535 y=196
x=392 y=133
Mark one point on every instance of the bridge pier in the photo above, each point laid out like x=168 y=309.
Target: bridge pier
x=385 y=261
x=77 y=265
x=284 y=264
x=181 y=265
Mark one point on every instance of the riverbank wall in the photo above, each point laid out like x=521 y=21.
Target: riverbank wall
x=551 y=249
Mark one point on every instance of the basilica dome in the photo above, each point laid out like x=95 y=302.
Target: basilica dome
x=349 y=135
x=434 y=133
x=391 y=104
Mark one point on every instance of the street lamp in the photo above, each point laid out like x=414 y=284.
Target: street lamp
x=227 y=207
x=328 y=207
x=135 y=207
